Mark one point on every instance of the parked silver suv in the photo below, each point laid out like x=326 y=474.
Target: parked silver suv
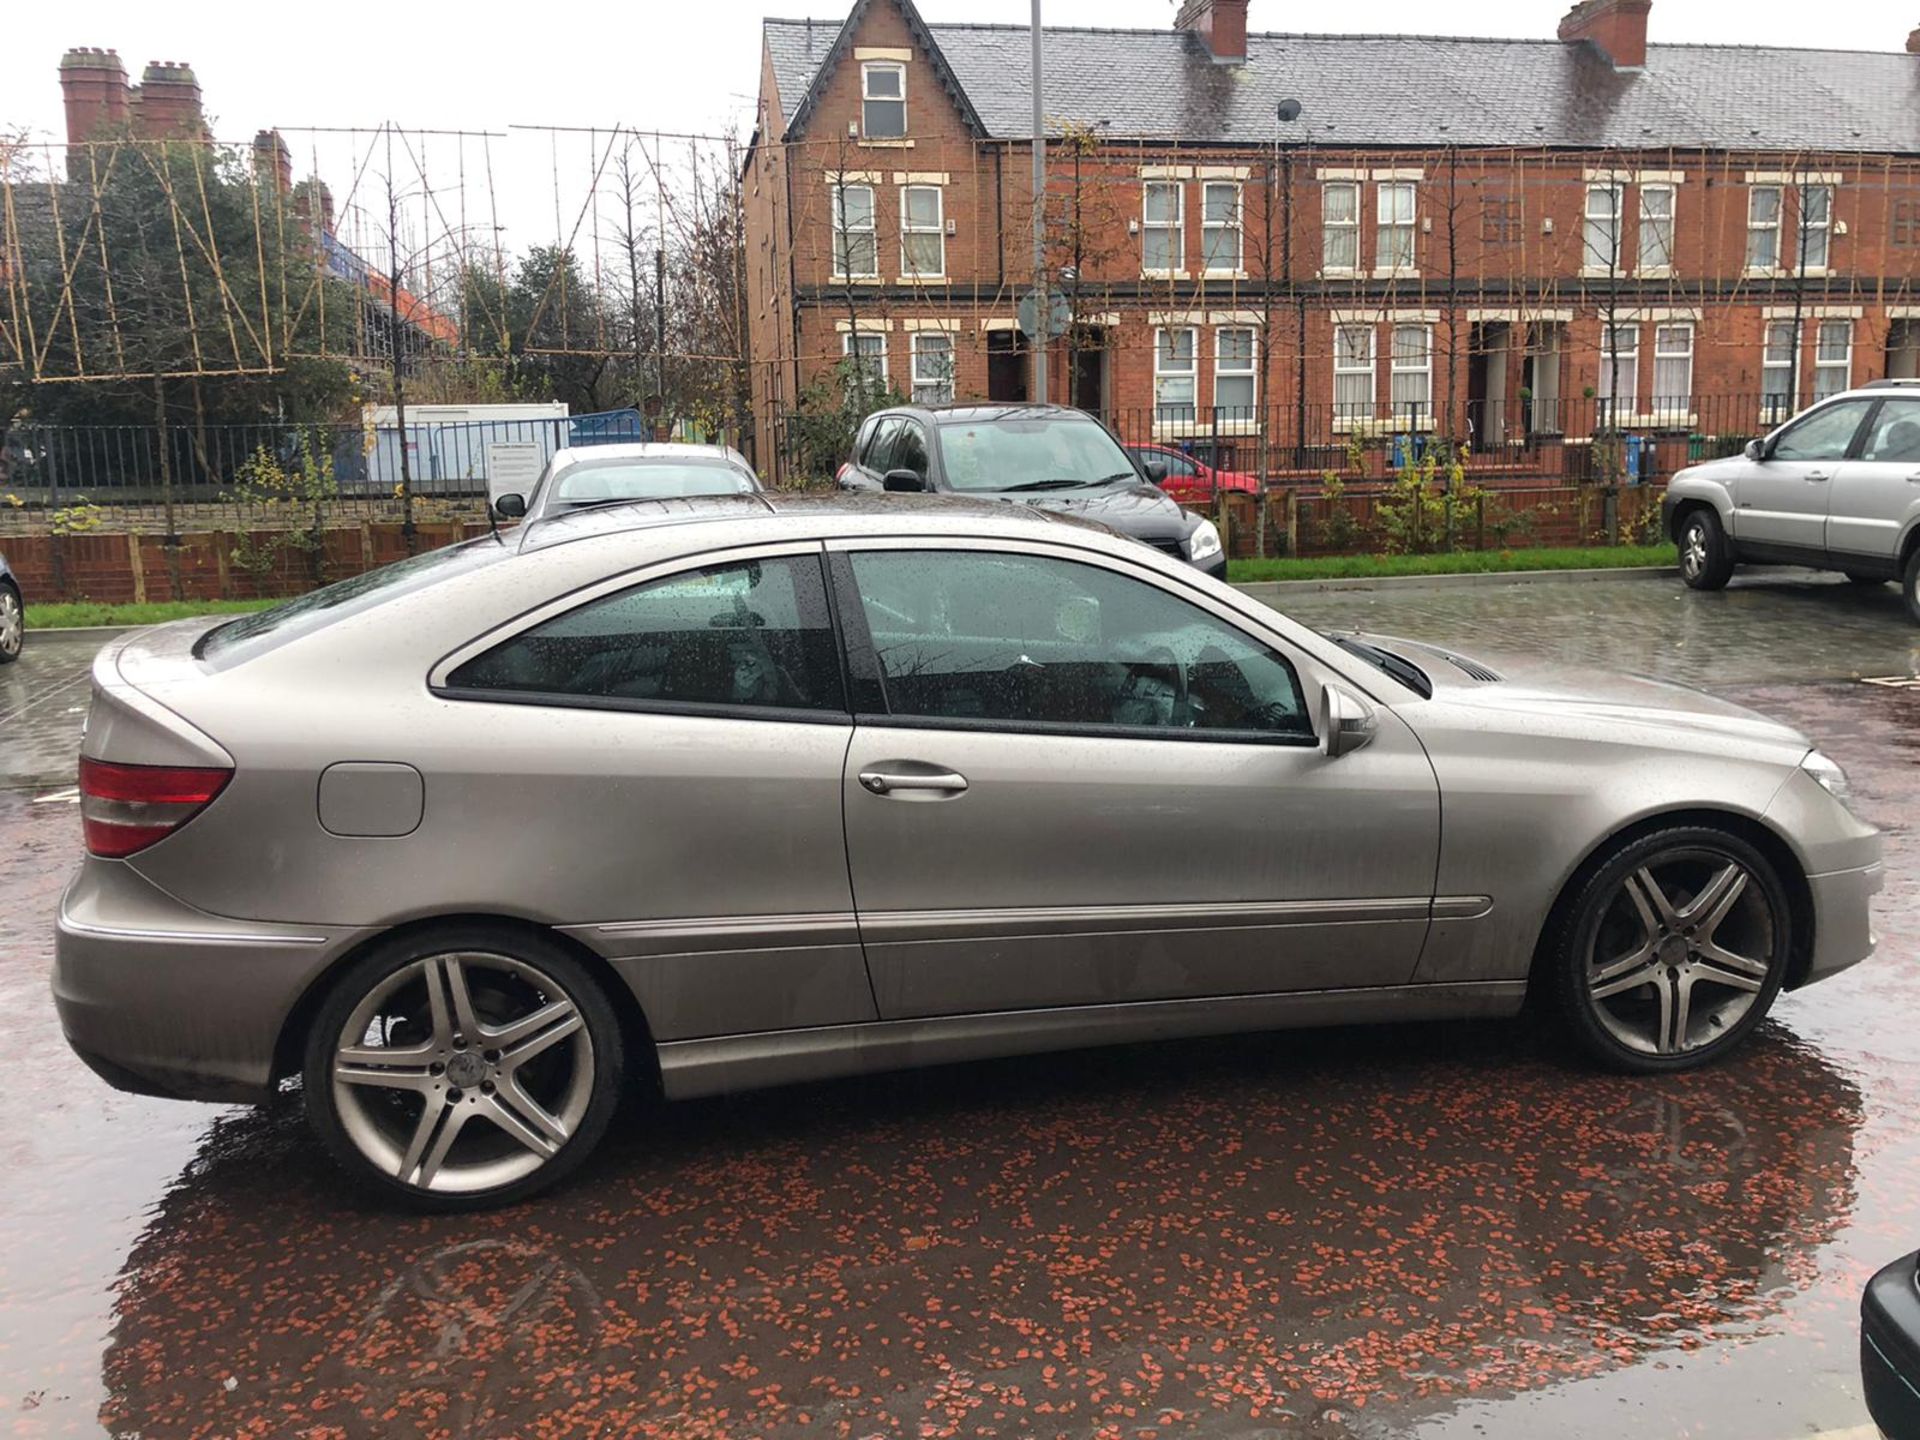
x=1837 y=488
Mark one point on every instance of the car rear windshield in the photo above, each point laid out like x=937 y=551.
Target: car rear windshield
x=1007 y=454
x=597 y=483
x=250 y=635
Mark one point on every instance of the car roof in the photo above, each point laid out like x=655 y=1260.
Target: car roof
x=968 y=411
x=572 y=455
x=816 y=515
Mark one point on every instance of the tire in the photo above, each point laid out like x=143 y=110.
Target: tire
x=1910 y=585
x=1708 y=975
x=491 y=1124
x=13 y=624
x=1860 y=577
x=1706 y=556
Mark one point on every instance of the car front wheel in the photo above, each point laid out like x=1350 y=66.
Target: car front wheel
x=1706 y=559
x=463 y=1067
x=1673 y=949
x=13 y=624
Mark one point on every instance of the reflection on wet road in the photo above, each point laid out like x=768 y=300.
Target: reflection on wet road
x=1405 y=1231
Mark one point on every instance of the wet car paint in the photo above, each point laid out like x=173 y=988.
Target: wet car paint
x=1415 y=1231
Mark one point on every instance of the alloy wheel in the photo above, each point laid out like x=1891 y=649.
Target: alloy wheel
x=12 y=623
x=1682 y=951
x=1693 y=549
x=463 y=1072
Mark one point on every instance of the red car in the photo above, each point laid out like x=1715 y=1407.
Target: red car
x=1190 y=479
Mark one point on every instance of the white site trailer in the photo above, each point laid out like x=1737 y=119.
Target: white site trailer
x=463 y=449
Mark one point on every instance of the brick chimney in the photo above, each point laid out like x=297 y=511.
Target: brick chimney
x=272 y=160
x=167 y=106
x=1617 y=29
x=1220 y=24
x=93 y=83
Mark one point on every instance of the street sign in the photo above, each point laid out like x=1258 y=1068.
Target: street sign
x=1059 y=314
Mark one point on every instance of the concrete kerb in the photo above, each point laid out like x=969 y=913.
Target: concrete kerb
x=1271 y=589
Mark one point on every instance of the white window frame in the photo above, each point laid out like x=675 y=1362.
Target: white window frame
x=1672 y=406
x=1593 y=259
x=843 y=237
x=1607 y=404
x=1830 y=377
x=1237 y=416
x=1209 y=227
x=1331 y=228
x=1355 y=414
x=1397 y=369
x=1805 y=231
x=849 y=348
x=1761 y=227
x=1178 y=228
x=938 y=230
x=868 y=69
x=1777 y=405
x=1166 y=371
x=1386 y=227
x=1662 y=226
x=931 y=388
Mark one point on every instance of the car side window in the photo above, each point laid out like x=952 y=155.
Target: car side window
x=1894 y=436
x=752 y=633
x=1823 y=435
x=910 y=449
x=1181 y=465
x=1030 y=640
x=880 y=453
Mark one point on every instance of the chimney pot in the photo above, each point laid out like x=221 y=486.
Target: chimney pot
x=1221 y=26
x=1616 y=28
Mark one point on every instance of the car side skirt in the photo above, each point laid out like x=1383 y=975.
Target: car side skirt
x=728 y=1063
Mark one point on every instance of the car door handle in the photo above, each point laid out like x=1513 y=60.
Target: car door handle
x=885 y=782
x=1914 y=478
x=1816 y=475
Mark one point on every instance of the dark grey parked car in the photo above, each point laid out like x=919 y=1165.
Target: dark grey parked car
x=1890 y=1348
x=13 y=616
x=1045 y=455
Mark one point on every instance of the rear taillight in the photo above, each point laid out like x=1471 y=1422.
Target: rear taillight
x=126 y=808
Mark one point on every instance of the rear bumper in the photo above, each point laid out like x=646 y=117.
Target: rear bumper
x=1890 y=1348
x=159 y=998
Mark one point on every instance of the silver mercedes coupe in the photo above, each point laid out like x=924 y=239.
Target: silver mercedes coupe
x=744 y=790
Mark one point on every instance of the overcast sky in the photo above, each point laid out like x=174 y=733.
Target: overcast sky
x=670 y=64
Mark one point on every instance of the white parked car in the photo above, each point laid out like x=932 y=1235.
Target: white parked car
x=1837 y=488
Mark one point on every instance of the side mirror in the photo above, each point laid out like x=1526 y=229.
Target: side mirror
x=904 y=481
x=1755 y=450
x=1156 y=470
x=1348 y=721
x=510 y=506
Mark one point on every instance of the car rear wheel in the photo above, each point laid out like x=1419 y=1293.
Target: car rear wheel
x=1672 y=951
x=13 y=624
x=1706 y=559
x=1910 y=586
x=463 y=1067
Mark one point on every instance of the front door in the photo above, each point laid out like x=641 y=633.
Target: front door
x=1878 y=491
x=1781 y=501
x=1073 y=786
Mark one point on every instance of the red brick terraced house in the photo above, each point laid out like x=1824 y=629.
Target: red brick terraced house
x=1513 y=243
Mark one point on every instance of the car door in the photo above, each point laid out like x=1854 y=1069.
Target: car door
x=1781 y=501
x=665 y=754
x=1073 y=784
x=910 y=451
x=1877 y=493
x=871 y=455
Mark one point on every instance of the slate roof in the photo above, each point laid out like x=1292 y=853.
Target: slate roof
x=1409 y=90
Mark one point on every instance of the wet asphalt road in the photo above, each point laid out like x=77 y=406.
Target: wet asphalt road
x=1405 y=1231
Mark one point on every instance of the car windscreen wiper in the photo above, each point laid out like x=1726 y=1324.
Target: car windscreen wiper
x=1050 y=485
x=1388 y=663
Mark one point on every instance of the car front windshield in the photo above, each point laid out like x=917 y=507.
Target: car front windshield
x=1035 y=452
x=599 y=482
